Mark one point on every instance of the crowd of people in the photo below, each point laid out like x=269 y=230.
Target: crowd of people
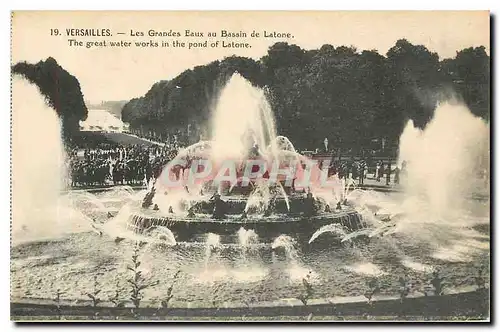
x=112 y=164
x=359 y=170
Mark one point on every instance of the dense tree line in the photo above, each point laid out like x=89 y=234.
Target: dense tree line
x=349 y=96
x=60 y=89
x=188 y=98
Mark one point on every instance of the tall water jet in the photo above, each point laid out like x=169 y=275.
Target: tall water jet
x=289 y=246
x=242 y=118
x=246 y=238
x=408 y=143
x=212 y=242
x=444 y=161
x=38 y=169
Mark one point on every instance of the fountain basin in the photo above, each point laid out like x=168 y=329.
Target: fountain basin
x=294 y=204
x=299 y=225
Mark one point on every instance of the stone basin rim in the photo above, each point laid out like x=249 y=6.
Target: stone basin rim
x=283 y=302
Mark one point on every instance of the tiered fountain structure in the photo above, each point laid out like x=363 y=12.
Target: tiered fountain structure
x=243 y=132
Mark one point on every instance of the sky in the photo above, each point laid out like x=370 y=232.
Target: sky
x=114 y=73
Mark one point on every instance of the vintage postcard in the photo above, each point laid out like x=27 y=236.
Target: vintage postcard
x=250 y=166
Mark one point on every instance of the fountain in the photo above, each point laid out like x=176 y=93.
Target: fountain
x=246 y=176
x=39 y=211
x=246 y=232
x=442 y=163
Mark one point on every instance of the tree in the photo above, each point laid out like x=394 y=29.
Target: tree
x=61 y=90
x=414 y=71
x=349 y=96
x=469 y=73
